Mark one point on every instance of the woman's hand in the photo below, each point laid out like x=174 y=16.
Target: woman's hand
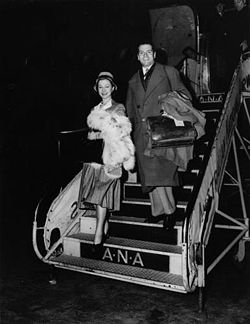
x=94 y=135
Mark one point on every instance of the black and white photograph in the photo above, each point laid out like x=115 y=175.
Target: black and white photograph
x=125 y=162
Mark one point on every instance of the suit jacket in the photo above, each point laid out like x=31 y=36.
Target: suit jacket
x=141 y=103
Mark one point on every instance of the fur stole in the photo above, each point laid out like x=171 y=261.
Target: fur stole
x=115 y=129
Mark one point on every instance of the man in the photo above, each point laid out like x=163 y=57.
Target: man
x=218 y=46
x=238 y=34
x=241 y=24
x=157 y=174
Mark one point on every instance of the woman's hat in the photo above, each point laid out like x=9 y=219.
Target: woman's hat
x=105 y=76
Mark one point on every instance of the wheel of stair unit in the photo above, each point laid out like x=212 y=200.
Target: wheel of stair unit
x=52 y=276
x=41 y=211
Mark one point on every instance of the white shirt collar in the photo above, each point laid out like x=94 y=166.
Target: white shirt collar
x=144 y=69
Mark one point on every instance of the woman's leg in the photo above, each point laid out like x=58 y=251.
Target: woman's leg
x=106 y=226
x=100 y=223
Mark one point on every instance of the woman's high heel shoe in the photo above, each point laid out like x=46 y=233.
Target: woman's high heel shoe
x=97 y=249
x=105 y=237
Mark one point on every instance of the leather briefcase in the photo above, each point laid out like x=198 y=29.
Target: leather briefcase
x=163 y=132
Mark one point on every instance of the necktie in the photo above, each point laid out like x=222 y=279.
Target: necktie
x=145 y=74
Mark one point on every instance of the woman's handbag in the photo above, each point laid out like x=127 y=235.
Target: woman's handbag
x=163 y=132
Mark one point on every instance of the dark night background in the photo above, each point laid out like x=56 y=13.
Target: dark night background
x=51 y=52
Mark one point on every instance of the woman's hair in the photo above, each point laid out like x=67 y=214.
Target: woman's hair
x=105 y=76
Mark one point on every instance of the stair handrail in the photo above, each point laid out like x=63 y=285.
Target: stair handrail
x=64 y=234
x=57 y=243
x=78 y=212
x=79 y=131
x=35 y=230
x=34 y=233
x=210 y=183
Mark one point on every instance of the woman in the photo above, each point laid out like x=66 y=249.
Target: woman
x=101 y=185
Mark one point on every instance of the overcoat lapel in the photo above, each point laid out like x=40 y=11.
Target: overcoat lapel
x=156 y=77
x=139 y=90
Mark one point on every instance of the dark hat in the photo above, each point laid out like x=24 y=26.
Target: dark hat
x=105 y=76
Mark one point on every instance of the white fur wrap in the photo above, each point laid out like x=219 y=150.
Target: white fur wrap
x=115 y=131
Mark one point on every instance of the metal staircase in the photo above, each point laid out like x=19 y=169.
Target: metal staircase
x=135 y=251
x=144 y=253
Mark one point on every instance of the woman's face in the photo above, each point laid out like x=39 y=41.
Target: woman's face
x=105 y=89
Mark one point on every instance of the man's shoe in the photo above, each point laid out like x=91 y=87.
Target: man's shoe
x=169 y=221
x=154 y=219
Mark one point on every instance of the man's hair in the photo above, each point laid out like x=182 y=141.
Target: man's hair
x=145 y=42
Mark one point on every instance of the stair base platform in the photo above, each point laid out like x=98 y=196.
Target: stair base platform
x=145 y=277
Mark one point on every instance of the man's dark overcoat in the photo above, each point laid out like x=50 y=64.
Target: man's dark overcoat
x=141 y=103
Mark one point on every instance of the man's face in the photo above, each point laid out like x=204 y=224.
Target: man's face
x=146 y=55
x=239 y=4
x=220 y=8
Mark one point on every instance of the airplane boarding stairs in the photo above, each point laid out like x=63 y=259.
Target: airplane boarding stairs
x=136 y=251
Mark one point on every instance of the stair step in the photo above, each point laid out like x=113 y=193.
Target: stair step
x=150 y=255
x=135 y=228
x=142 y=210
x=211 y=113
x=134 y=191
x=200 y=148
x=188 y=178
x=194 y=164
x=149 y=232
x=130 y=244
x=146 y=202
x=139 y=221
x=137 y=275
